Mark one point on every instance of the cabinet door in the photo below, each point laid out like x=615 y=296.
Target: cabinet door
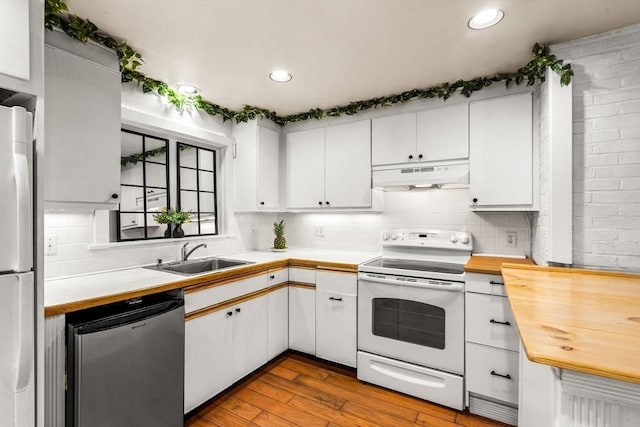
x=348 y=165
x=208 y=356
x=278 y=335
x=501 y=151
x=443 y=133
x=14 y=39
x=336 y=327
x=249 y=336
x=305 y=169
x=302 y=319
x=82 y=121
x=393 y=139
x=268 y=183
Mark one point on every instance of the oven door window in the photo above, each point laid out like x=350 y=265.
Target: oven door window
x=409 y=321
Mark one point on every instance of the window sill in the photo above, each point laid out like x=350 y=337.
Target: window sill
x=158 y=242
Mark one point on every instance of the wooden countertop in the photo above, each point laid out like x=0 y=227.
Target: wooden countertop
x=491 y=264
x=584 y=320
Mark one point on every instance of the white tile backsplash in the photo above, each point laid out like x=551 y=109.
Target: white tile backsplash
x=443 y=208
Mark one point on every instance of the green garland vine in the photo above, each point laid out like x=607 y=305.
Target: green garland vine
x=83 y=30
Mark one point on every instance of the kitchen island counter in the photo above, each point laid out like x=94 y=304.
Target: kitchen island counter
x=583 y=320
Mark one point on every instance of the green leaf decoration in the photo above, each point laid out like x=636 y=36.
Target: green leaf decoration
x=56 y=15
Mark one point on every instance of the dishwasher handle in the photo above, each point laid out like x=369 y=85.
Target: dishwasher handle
x=129 y=317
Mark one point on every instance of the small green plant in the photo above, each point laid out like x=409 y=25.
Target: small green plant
x=172 y=216
x=278 y=229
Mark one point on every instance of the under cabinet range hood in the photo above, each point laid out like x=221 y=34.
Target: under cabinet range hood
x=408 y=176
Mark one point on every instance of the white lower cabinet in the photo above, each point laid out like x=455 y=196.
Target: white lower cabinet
x=302 y=319
x=249 y=342
x=336 y=316
x=223 y=346
x=208 y=355
x=493 y=372
x=278 y=335
x=492 y=344
x=336 y=327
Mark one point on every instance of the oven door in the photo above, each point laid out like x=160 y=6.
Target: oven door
x=412 y=321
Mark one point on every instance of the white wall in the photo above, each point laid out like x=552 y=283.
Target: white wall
x=606 y=149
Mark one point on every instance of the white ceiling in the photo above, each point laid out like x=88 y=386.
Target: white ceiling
x=338 y=50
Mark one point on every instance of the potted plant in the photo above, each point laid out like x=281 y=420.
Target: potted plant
x=175 y=217
x=163 y=217
x=279 y=243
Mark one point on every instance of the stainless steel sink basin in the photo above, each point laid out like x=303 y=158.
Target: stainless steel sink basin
x=198 y=266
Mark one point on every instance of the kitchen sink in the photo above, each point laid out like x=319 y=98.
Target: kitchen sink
x=198 y=266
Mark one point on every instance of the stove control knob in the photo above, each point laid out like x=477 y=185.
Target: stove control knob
x=385 y=236
x=464 y=239
x=453 y=238
x=394 y=236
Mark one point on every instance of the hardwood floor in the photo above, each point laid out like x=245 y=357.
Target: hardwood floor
x=294 y=390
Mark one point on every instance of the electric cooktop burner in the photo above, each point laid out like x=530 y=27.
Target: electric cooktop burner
x=416 y=265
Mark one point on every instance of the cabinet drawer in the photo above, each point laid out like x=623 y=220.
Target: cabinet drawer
x=278 y=276
x=485 y=283
x=341 y=283
x=492 y=372
x=196 y=300
x=302 y=275
x=489 y=321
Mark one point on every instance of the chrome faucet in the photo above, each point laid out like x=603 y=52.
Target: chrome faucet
x=186 y=254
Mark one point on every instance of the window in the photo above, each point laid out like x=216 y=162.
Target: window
x=197 y=189
x=144 y=185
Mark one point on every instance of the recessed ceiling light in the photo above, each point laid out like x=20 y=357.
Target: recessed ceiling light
x=188 y=90
x=485 y=19
x=280 y=76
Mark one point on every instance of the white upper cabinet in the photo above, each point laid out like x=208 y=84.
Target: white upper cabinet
x=305 y=169
x=82 y=124
x=330 y=167
x=257 y=168
x=21 y=46
x=14 y=39
x=348 y=165
x=393 y=139
x=501 y=153
x=443 y=133
x=440 y=133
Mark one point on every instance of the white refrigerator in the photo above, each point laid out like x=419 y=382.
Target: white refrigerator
x=17 y=289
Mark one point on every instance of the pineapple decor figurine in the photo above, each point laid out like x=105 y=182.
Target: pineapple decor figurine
x=279 y=243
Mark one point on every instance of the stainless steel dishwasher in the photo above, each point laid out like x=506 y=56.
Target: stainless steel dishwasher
x=125 y=363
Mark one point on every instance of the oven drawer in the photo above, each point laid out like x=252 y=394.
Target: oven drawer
x=492 y=372
x=428 y=384
x=485 y=283
x=489 y=321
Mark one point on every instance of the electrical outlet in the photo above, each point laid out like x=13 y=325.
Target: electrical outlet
x=319 y=231
x=50 y=245
x=512 y=239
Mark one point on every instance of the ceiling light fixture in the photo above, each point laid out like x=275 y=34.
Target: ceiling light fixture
x=188 y=90
x=485 y=19
x=280 y=76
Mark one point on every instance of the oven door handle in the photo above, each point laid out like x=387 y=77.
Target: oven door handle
x=440 y=285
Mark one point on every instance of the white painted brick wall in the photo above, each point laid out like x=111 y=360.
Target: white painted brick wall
x=540 y=219
x=606 y=150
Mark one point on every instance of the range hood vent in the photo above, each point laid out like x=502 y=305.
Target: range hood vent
x=407 y=177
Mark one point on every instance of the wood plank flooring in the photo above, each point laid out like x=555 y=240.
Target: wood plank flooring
x=294 y=390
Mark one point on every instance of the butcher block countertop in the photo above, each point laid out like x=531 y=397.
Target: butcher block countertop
x=583 y=320
x=491 y=264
